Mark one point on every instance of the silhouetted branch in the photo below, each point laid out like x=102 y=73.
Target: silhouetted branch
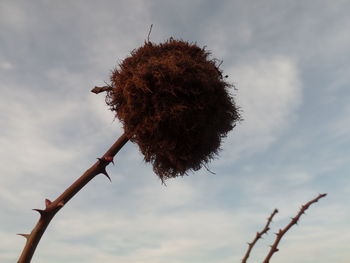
x=259 y=235
x=294 y=221
x=51 y=208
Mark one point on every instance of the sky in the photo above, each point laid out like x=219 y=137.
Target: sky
x=289 y=61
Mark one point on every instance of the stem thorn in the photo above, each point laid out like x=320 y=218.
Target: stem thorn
x=47 y=202
x=26 y=236
x=40 y=211
x=104 y=172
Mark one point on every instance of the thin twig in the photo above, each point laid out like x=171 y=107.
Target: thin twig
x=259 y=235
x=101 y=89
x=149 y=32
x=294 y=221
x=51 y=208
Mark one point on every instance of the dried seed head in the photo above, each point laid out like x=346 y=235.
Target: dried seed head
x=173 y=102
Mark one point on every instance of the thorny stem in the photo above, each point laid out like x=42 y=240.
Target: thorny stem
x=294 y=221
x=52 y=208
x=259 y=235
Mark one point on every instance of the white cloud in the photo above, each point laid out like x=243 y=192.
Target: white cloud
x=98 y=107
x=269 y=92
x=176 y=194
x=340 y=127
x=5 y=65
x=180 y=236
x=25 y=128
x=145 y=237
x=78 y=86
x=13 y=15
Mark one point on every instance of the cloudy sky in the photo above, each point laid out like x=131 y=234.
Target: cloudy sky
x=289 y=61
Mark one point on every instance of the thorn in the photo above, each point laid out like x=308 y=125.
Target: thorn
x=109 y=159
x=104 y=172
x=26 y=236
x=47 y=202
x=40 y=211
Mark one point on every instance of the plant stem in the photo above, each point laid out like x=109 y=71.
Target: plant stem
x=52 y=208
x=258 y=236
x=293 y=222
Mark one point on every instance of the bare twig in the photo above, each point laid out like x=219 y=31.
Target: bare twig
x=259 y=235
x=149 y=32
x=51 y=208
x=294 y=221
x=101 y=89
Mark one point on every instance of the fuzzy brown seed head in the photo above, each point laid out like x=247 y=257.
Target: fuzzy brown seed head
x=173 y=102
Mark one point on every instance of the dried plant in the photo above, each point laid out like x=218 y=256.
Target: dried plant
x=173 y=102
x=281 y=232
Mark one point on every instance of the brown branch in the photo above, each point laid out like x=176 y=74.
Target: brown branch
x=51 y=208
x=259 y=235
x=294 y=221
x=98 y=90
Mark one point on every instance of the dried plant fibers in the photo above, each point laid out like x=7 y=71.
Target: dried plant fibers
x=174 y=103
